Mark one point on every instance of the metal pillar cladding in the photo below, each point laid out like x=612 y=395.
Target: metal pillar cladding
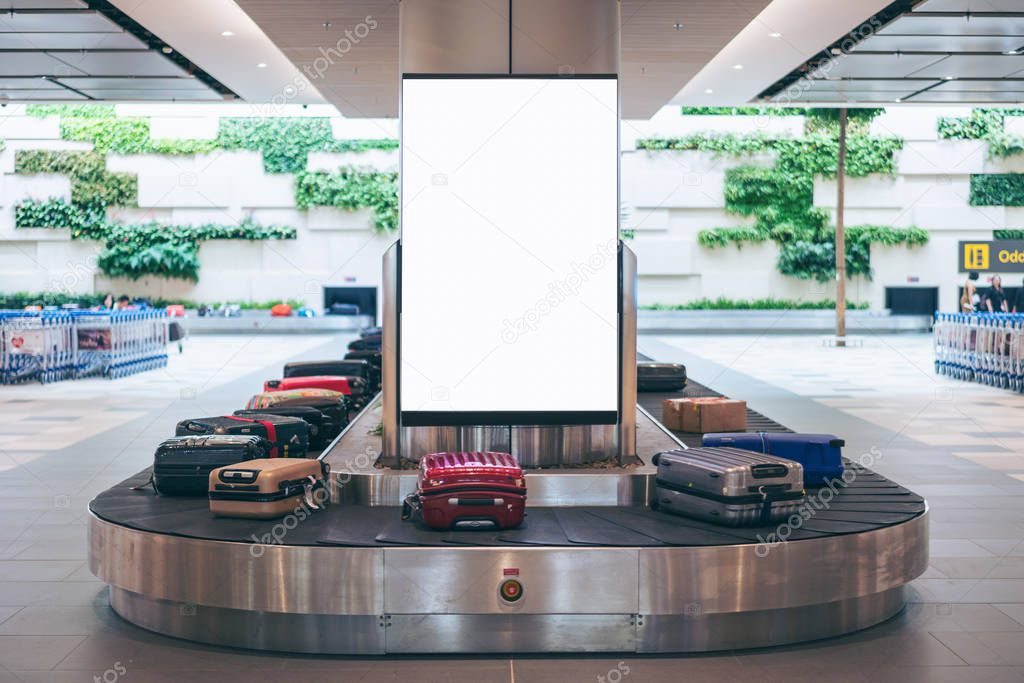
x=517 y=38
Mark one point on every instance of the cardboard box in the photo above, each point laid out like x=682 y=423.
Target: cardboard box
x=704 y=415
x=672 y=413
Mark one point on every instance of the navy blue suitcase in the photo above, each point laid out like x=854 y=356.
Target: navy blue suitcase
x=820 y=454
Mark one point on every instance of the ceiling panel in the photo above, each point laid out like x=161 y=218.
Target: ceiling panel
x=59 y=95
x=875 y=66
x=69 y=41
x=121 y=63
x=35 y=64
x=983 y=85
x=971 y=5
x=852 y=97
x=941 y=25
x=44 y=4
x=150 y=95
x=176 y=84
x=894 y=43
x=50 y=22
x=27 y=83
x=65 y=39
x=974 y=66
x=940 y=95
x=894 y=85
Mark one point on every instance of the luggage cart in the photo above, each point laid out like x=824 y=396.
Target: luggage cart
x=987 y=348
x=50 y=346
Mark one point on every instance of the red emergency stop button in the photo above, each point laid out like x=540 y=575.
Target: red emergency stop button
x=511 y=590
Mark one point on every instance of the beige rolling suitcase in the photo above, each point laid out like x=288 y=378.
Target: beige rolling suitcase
x=268 y=488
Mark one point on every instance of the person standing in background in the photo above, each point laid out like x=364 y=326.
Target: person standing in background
x=970 y=302
x=995 y=297
x=1018 y=301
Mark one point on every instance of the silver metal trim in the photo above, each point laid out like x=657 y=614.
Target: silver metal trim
x=244 y=576
x=283 y=632
x=389 y=356
x=627 y=356
x=508 y=633
x=337 y=580
x=665 y=430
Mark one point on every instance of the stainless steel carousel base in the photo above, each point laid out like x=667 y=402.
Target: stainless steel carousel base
x=344 y=600
x=503 y=633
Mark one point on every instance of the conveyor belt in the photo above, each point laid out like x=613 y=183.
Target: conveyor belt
x=871 y=501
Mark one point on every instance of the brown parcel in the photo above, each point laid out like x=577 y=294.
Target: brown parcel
x=705 y=415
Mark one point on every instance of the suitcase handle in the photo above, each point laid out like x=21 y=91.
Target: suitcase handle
x=493 y=502
x=768 y=471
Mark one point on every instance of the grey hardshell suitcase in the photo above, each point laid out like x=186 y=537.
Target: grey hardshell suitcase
x=728 y=486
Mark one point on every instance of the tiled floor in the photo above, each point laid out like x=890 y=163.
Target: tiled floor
x=961 y=445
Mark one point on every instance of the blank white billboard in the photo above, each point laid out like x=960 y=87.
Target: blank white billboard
x=509 y=272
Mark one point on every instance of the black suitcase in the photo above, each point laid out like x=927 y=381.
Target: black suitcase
x=372 y=343
x=660 y=376
x=363 y=370
x=372 y=357
x=182 y=464
x=343 y=309
x=352 y=367
x=314 y=368
x=335 y=412
x=311 y=416
x=288 y=436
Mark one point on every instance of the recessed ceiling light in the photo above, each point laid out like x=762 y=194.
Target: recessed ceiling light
x=947 y=78
x=898 y=99
x=678 y=26
x=737 y=66
x=261 y=65
x=166 y=49
x=709 y=91
x=774 y=34
x=227 y=34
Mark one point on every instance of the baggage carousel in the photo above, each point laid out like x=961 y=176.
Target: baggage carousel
x=593 y=569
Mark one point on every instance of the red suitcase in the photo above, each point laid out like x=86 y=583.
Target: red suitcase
x=471 y=491
x=342 y=385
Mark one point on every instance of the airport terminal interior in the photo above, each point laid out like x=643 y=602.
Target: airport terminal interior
x=512 y=340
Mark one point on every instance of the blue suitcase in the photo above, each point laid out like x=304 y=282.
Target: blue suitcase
x=820 y=454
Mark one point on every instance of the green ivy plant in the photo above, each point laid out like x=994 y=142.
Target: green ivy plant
x=71 y=110
x=352 y=188
x=287 y=142
x=766 y=304
x=91 y=183
x=19 y=300
x=167 y=259
x=997 y=189
x=742 y=111
x=169 y=251
x=780 y=198
x=135 y=251
x=984 y=124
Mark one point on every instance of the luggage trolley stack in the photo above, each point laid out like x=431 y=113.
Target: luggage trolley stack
x=49 y=346
x=36 y=346
x=987 y=348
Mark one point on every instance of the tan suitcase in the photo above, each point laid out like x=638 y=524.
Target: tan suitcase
x=268 y=488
